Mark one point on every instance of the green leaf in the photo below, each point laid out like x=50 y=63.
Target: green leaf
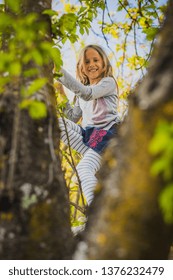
x=37 y=57
x=30 y=72
x=56 y=57
x=161 y=146
x=82 y=9
x=163 y=8
x=5 y=21
x=6 y=59
x=159 y=143
x=30 y=18
x=166 y=203
x=119 y=8
x=15 y=68
x=162 y=138
x=150 y=33
x=27 y=57
x=50 y=12
x=3 y=82
x=57 y=75
x=158 y=166
x=163 y=166
x=35 y=86
x=14 y=5
x=68 y=22
x=81 y=30
x=36 y=109
x=73 y=38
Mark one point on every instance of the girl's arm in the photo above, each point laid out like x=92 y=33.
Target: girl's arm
x=73 y=113
x=105 y=87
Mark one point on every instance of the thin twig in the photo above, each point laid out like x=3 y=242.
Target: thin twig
x=102 y=28
x=78 y=207
x=106 y=5
x=103 y=34
x=124 y=7
x=77 y=203
x=136 y=50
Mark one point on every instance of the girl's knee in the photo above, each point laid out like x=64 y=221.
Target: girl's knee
x=84 y=167
x=90 y=166
x=81 y=168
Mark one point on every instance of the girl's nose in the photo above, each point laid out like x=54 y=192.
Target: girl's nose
x=91 y=63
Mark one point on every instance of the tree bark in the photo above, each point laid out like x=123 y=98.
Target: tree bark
x=34 y=208
x=128 y=223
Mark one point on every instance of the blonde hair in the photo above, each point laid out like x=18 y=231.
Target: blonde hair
x=106 y=63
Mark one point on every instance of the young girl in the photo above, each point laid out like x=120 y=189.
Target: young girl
x=96 y=102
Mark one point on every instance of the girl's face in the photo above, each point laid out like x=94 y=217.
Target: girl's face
x=93 y=66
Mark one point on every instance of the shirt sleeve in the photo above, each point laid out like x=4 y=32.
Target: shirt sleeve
x=105 y=87
x=73 y=113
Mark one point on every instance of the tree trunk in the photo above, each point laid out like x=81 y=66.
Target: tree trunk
x=128 y=223
x=34 y=208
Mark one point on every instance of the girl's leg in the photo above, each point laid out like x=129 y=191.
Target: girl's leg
x=89 y=164
x=74 y=137
x=87 y=169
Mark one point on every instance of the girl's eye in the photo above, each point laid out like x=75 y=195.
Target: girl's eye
x=86 y=61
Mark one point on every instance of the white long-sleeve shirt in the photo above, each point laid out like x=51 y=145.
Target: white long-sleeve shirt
x=96 y=104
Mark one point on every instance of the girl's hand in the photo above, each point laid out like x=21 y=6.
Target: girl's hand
x=59 y=87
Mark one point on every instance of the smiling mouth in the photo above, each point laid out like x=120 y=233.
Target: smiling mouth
x=93 y=70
